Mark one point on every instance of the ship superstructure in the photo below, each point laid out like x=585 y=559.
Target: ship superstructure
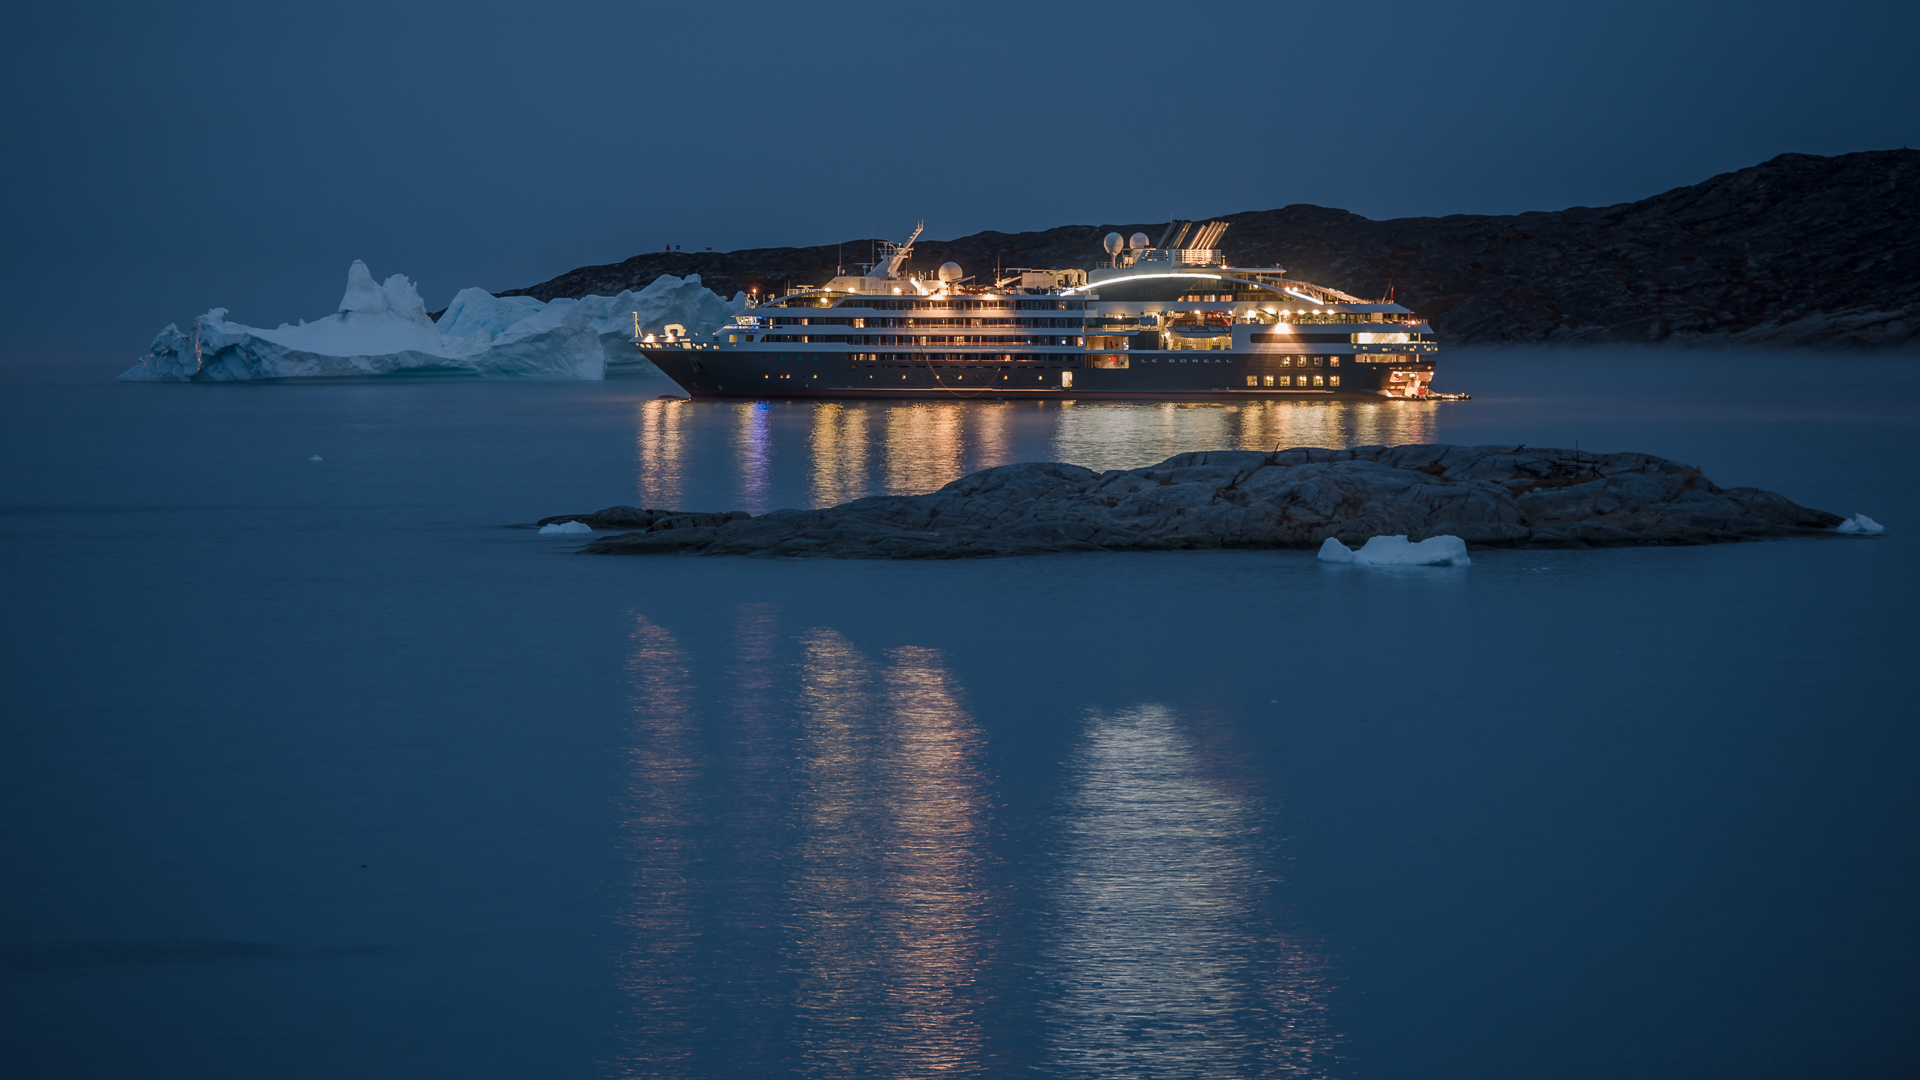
x=1166 y=320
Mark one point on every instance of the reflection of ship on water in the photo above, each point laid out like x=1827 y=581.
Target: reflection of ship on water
x=810 y=849
x=888 y=912
x=1165 y=320
x=1127 y=436
x=856 y=449
x=1159 y=967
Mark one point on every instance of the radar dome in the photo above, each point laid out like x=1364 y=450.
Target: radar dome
x=1114 y=243
x=950 y=272
x=1139 y=241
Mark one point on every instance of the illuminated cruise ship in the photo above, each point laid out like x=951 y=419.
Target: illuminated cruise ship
x=1168 y=320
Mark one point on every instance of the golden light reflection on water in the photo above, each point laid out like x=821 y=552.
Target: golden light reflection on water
x=838 y=441
x=658 y=454
x=747 y=454
x=924 y=446
x=888 y=905
x=815 y=888
x=808 y=851
x=1103 y=437
x=1156 y=886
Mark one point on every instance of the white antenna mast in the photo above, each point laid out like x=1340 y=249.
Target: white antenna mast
x=897 y=254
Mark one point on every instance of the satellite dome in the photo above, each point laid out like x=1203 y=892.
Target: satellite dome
x=950 y=272
x=1114 y=243
x=1139 y=241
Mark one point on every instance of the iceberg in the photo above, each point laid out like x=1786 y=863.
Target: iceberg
x=1396 y=551
x=1860 y=525
x=382 y=328
x=566 y=528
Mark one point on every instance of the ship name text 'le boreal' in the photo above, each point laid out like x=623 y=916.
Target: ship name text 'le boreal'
x=1169 y=321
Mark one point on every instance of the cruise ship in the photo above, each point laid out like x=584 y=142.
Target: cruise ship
x=1167 y=320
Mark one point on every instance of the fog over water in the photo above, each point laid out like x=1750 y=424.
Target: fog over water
x=311 y=768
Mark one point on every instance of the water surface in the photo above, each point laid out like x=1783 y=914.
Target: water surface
x=309 y=768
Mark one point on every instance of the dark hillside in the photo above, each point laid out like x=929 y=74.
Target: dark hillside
x=1799 y=250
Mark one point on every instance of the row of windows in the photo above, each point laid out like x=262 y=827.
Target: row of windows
x=1329 y=339
x=1287 y=380
x=963 y=367
x=884 y=322
x=909 y=339
x=878 y=304
x=1015 y=358
x=1066 y=378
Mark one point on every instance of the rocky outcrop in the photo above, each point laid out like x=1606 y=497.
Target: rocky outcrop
x=1489 y=496
x=632 y=517
x=1801 y=250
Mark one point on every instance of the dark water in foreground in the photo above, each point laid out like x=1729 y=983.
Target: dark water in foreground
x=306 y=769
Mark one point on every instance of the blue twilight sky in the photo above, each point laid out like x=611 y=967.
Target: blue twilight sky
x=163 y=159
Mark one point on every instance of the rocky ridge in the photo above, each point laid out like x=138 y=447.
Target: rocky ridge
x=1489 y=496
x=1801 y=250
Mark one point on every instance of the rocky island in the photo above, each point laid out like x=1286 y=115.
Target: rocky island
x=1489 y=496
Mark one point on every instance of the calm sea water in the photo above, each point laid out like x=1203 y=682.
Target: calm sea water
x=310 y=769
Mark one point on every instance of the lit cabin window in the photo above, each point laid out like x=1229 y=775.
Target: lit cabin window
x=1333 y=380
x=1066 y=378
x=1254 y=380
x=1286 y=380
x=1269 y=380
x=1334 y=360
x=1286 y=361
x=1318 y=381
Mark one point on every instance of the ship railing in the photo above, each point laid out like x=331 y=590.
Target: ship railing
x=1180 y=257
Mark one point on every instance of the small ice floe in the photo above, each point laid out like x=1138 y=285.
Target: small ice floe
x=1860 y=525
x=315 y=457
x=566 y=528
x=1396 y=551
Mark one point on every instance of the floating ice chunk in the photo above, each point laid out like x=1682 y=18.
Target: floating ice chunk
x=1335 y=551
x=566 y=528
x=1396 y=551
x=1860 y=525
x=315 y=457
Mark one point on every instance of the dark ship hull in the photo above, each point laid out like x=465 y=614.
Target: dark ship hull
x=1218 y=375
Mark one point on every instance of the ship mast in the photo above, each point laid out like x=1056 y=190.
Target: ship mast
x=895 y=255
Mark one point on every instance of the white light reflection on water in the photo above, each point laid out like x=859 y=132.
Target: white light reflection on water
x=1159 y=958
x=753 y=447
x=661 y=809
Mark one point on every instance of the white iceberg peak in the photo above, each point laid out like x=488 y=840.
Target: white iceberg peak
x=1396 y=551
x=1860 y=525
x=363 y=295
